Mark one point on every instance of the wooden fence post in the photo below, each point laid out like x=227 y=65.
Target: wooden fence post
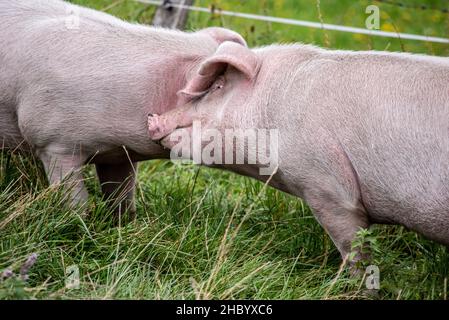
x=168 y=16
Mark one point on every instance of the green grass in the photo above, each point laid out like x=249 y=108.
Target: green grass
x=204 y=233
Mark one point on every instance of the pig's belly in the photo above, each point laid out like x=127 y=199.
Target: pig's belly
x=431 y=222
x=417 y=198
x=119 y=155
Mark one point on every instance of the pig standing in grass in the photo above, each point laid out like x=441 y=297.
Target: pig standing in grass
x=363 y=136
x=76 y=86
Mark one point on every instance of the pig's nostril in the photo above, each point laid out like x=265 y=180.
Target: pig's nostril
x=150 y=115
x=159 y=142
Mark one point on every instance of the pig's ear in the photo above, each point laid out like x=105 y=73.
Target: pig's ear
x=221 y=35
x=227 y=54
x=234 y=55
x=197 y=86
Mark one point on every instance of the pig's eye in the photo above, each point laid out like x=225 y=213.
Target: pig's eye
x=219 y=84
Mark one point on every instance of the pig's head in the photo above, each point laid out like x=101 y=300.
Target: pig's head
x=223 y=98
x=220 y=88
x=210 y=42
x=180 y=55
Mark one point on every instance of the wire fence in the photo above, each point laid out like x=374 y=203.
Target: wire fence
x=303 y=23
x=402 y=4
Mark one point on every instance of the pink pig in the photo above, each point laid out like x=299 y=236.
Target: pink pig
x=76 y=86
x=363 y=136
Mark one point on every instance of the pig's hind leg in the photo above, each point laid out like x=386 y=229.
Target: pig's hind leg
x=118 y=185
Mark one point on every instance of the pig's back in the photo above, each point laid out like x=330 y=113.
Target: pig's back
x=39 y=40
x=57 y=76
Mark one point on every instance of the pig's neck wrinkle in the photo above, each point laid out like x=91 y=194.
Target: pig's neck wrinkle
x=166 y=97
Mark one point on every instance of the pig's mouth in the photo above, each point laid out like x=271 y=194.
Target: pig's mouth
x=163 y=139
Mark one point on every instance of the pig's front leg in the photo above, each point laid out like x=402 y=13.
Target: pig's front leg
x=341 y=219
x=332 y=190
x=66 y=169
x=118 y=185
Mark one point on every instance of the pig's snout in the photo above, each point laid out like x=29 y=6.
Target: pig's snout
x=154 y=127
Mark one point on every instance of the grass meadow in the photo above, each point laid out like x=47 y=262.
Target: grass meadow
x=208 y=234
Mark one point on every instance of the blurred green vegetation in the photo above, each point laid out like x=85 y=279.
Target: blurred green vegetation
x=340 y=12
x=409 y=18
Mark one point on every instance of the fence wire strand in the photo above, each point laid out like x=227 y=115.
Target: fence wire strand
x=414 y=6
x=303 y=23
